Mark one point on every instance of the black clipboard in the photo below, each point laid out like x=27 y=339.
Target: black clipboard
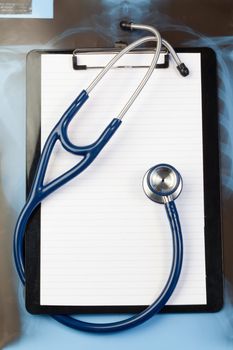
x=213 y=245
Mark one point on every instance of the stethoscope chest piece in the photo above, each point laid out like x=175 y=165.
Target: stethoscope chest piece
x=162 y=183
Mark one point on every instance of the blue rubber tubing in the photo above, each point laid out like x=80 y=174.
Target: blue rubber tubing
x=141 y=317
x=39 y=192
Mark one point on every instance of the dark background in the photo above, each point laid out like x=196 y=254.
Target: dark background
x=95 y=23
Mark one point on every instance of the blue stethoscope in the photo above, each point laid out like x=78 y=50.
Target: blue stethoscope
x=162 y=184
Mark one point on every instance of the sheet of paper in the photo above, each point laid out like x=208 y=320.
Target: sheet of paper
x=103 y=242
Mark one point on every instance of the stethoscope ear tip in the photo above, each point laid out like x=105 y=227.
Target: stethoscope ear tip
x=126 y=25
x=183 y=70
x=162 y=183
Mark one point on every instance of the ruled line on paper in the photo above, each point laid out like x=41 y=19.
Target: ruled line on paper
x=163 y=125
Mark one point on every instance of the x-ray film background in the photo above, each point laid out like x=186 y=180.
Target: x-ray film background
x=96 y=24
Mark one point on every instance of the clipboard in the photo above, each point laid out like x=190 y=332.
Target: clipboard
x=211 y=189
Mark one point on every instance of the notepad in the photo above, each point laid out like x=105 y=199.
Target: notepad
x=102 y=241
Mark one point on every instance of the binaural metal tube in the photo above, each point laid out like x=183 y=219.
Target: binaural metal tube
x=120 y=54
x=157 y=38
x=150 y=70
x=131 y=26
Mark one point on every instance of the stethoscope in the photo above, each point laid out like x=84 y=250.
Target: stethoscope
x=162 y=184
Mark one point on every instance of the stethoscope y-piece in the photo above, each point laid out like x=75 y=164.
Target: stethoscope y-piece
x=161 y=183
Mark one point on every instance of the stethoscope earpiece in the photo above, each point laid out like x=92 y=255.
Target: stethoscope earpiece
x=162 y=183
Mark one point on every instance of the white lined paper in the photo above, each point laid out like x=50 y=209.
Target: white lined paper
x=102 y=241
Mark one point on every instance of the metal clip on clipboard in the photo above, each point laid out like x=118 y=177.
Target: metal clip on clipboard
x=77 y=66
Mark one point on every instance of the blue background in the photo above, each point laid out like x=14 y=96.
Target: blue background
x=163 y=332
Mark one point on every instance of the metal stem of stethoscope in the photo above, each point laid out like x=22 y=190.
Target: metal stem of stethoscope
x=131 y=26
x=125 y=25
